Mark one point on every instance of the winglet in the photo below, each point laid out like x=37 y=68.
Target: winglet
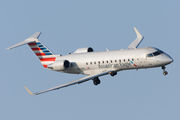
x=29 y=91
x=137 y=41
x=137 y=32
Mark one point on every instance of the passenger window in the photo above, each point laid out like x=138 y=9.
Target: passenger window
x=107 y=61
x=86 y=63
x=124 y=60
x=132 y=59
x=99 y=62
x=119 y=60
x=94 y=62
x=115 y=60
x=128 y=59
x=111 y=61
x=103 y=62
x=91 y=63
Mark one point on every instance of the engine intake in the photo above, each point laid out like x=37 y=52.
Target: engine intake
x=60 y=65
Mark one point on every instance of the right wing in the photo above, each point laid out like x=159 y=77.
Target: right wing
x=137 y=41
x=81 y=80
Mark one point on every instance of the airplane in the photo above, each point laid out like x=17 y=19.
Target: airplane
x=95 y=64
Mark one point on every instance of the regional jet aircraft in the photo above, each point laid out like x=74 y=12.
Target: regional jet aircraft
x=95 y=64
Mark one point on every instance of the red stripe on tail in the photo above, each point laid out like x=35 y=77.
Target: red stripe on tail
x=40 y=54
x=31 y=43
x=48 y=59
x=35 y=49
x=45 y=66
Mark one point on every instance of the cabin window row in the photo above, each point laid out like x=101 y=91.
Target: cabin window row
x=111 y=61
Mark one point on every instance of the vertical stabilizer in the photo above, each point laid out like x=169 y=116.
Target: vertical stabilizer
x=42 y=52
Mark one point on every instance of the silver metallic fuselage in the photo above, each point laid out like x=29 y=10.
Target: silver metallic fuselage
x=117 y=60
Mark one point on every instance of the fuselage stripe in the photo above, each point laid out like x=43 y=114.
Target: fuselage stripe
x=133 y=64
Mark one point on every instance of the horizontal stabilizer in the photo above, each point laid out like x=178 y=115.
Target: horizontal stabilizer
x=28 y=40
x=137 y=41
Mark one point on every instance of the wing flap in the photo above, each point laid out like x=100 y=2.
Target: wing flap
x=81 y=80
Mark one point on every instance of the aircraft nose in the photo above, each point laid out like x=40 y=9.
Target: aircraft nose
x=168 y=59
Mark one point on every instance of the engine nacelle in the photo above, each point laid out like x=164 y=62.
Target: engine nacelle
x=60 y=65
x=84 y=50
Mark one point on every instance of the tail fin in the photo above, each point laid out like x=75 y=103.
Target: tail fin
x=42 y=52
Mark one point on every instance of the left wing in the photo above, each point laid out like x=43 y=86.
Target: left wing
x=84 y=79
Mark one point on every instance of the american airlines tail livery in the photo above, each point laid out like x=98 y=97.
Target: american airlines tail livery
x=95 y=64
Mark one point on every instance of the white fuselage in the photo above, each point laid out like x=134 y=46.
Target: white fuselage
x=117 y=60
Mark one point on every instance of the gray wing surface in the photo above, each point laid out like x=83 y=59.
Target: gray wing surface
x=81 y=80
x=137 y=41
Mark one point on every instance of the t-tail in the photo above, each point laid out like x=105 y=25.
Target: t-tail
x=42 y=52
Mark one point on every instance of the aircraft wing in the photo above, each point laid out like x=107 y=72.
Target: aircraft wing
x=137 y=41
x=81 y=80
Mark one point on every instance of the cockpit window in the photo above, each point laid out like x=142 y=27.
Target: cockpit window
x=149 y=55
x=158 y=52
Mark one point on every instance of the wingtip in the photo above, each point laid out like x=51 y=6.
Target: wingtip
x=137 y=32
x=28 y=91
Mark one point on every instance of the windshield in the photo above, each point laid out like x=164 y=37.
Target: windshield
x=149 y=55
x=158 y=52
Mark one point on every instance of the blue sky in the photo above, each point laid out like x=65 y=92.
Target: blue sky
x=100 y=24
